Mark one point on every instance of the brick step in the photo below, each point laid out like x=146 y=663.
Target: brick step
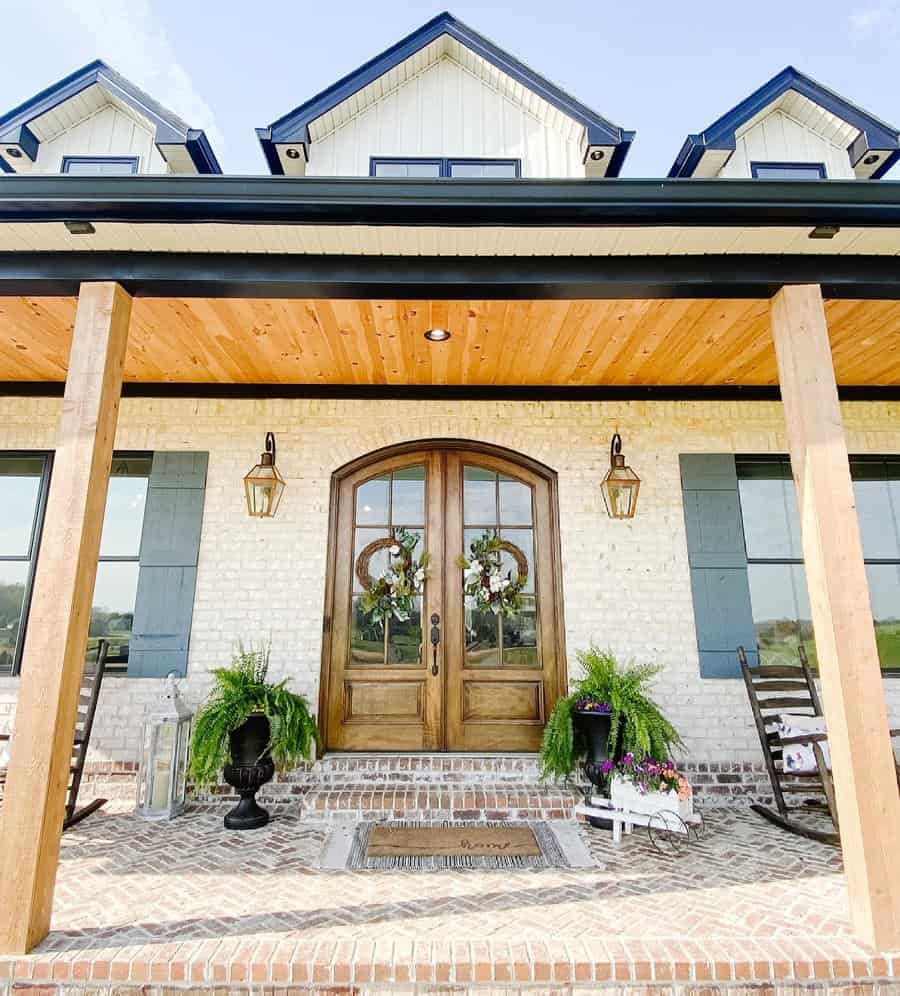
x=443 y=768
x=504 y=801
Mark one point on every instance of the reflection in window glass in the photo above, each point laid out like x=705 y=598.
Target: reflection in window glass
x=385 y=504
x=372 y=499
x=884 y=593
x=408 y=496
x=771 y=520
x=13 y=578
x=479 y=496
x=21 y=479
x=778 y=591
x=520 y=636
x=20 y=485
x=482 y=638
x=123 y=520
x=112 y=614
x=781 y=613
x=493 y=503
x=515 y=502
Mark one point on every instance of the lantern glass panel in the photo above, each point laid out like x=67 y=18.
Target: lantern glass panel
x=264 y=487
x=161 y=767
x=184 y=736
x=620 y=491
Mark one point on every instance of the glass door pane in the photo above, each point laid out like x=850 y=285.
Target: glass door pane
x=386 y=508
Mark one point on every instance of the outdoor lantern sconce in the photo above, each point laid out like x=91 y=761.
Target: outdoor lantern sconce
x=166 y=738
x=620 y=486
x=264 y=485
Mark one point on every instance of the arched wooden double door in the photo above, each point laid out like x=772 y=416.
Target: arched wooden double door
x=451 y=676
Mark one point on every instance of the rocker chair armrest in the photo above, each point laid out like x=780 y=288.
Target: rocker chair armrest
x=805 y=738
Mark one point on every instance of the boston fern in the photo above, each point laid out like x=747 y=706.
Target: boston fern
x=238 y=692
x=637 y=723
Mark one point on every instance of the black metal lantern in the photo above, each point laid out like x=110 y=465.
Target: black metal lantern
x=263 y=485
x=621 y=485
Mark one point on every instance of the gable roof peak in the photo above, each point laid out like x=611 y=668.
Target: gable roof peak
x=874 y=140
x=20 y=143
x=293 y=129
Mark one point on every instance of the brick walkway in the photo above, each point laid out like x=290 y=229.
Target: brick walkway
x=189 y=902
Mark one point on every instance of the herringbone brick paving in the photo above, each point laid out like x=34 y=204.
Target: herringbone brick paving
x=190 y=902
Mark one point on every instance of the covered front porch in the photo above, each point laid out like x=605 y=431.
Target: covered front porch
x=185 y=904
x=643 y=315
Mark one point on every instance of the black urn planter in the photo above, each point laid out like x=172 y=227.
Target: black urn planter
x=594 y=729
x=250 y=768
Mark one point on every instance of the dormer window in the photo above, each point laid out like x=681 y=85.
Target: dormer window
x=788 y=171
x=485 y=169
x=100 y=165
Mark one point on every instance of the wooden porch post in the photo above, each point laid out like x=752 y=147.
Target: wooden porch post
x=32 y=814
x=855 y=710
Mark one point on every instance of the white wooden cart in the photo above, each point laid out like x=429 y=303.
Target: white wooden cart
x=667 y=829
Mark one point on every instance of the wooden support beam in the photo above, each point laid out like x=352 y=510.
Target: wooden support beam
x=32 y=815
x=855 y=711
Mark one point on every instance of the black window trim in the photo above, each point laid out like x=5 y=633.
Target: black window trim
x=67 y=161
x=34 y=548
x=785 y=460
x=756 y=164
x=446 y=163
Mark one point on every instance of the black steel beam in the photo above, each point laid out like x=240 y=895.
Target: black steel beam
x=453 y=392
x=263 y=275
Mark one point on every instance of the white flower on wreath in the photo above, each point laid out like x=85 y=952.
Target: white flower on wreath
x=474 y=569
x=395 y=549
x=471 y=602
x=420 y=576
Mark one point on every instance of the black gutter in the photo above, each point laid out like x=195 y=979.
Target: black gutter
x=450 y=392
x=368 y=201
x=264 y=275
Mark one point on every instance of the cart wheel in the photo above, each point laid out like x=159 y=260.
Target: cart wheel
x=668 y=832
x=697 y=830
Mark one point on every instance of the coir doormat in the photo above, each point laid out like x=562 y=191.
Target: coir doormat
x=430 y=846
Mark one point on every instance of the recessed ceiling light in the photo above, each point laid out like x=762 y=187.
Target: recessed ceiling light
x=14 y=153
x=292 y=153
x=871 y=160
x=437 y=335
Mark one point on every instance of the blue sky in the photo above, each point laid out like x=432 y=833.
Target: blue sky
x=661 y=69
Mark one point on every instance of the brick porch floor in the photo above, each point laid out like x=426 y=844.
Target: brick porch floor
x=170 y=905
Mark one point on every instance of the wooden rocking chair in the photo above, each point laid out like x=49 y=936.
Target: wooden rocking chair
x=794 y=693
x=87 y=707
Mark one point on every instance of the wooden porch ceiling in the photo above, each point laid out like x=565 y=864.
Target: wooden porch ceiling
x=535 y=343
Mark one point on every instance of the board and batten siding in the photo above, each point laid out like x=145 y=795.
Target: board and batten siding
x=446 y=111
x=778 y=137
x=108 y=131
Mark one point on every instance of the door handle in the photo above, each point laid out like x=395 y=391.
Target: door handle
x=435 y=640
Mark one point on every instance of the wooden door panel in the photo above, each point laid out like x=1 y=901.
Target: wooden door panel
x=382 y=694
x=498 y=696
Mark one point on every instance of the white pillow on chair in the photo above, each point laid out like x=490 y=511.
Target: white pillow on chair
x=799 y=759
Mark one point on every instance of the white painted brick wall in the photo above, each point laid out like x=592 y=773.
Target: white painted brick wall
x=626 y=584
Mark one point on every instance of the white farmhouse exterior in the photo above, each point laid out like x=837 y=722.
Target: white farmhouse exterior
x=446 y=290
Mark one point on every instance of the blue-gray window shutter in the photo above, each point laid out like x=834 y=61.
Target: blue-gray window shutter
x=718 y=562
x=170 y=543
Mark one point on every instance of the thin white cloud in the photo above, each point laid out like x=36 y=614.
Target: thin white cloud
x=132 y=39
x=882 y=19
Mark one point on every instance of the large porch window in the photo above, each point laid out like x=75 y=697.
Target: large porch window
x=24 y=481
x=23 y=490
x=778 y=593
